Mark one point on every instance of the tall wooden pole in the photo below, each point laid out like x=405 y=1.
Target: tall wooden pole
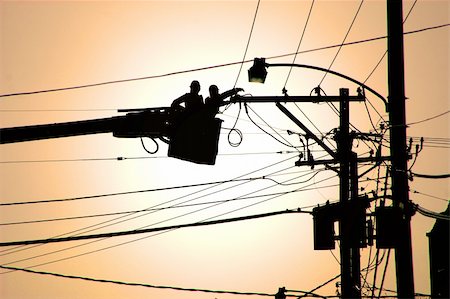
x=399 y=155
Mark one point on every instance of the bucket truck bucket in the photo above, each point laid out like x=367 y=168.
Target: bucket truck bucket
x=196 y=139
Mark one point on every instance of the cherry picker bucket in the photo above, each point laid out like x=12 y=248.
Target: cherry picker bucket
x=196 y=139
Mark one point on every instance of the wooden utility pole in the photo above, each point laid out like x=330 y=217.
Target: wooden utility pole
x=399 y=155
x=349 y=251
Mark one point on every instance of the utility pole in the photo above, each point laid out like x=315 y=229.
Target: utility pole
x=349 y=250
x=397 y=118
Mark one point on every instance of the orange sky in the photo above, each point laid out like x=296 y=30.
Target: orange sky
x=55 y=44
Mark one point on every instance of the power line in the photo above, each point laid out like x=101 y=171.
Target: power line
x=189 y=213
x=153 y=235
x=154 y=206
x=431 y=214
x=169 y=207
x=286 y=142
x=128 y=192
x=431 y=176
x=385 y=53
x=148 y=230
x=299 y=43
x=139 y=239
x=138 y=158
x=214 y=66
x=133 y=283
x=248 y=43
x=429 y=195
x=343 y=41
x=359 y=41
x=429 y=118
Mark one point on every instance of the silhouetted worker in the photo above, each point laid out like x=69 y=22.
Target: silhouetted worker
x=192 y=100
x=215 y=98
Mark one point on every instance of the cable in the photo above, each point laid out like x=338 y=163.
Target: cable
x=343 y=41
x=119 y=81
x=169 y=207
x=431 y=176
x=432 y=196
x=384 y=273
x=145 y=148
x=154 y=206
x=431 y=214
x=58 y=110
x=177 y=198
x=135 y=158
x=358 y=41
x=299 y=43
x=132 y=283
x=385 y=53
x=248 y=43
x=320 y=286
x=128 y=192
x=148 y=230
x=331 y=105
x=215 y=66
x=312 y=123
x=237 y=131
x=139 y=239
x=428 y=119
x=286 y=143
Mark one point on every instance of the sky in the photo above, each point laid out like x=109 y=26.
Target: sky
x=58 y=44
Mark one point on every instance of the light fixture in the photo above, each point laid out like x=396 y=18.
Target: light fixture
x=257 y=73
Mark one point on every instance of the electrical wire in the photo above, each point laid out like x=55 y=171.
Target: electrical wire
x=178 y=198
x=285 y=142
x=139 y=239
x=248 y=43
x=169 y=207
x=385 y=53
x=154 y=206
x=145 y=148
x=358 y=41
x=428 y=119
x=313 y=124
x=135 y=158
x=148 y=230
x=133 y=283
x=109 y=247
x=215 y=66
x=431 y=214
x=431 y=176
x=320 y=286
x=377 y=65
x=125 y=192
x=429 y=195
x=384 y=273
x=299 y=43
x=343 y=41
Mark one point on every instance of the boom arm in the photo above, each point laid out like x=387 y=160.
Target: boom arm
x=145 y=123
x=47 y=131
x=192 y=137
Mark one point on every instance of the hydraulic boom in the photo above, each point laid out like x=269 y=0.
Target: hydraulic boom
x=191 y=136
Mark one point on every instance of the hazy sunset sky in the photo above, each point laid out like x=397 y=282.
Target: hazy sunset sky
x=56 y=44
